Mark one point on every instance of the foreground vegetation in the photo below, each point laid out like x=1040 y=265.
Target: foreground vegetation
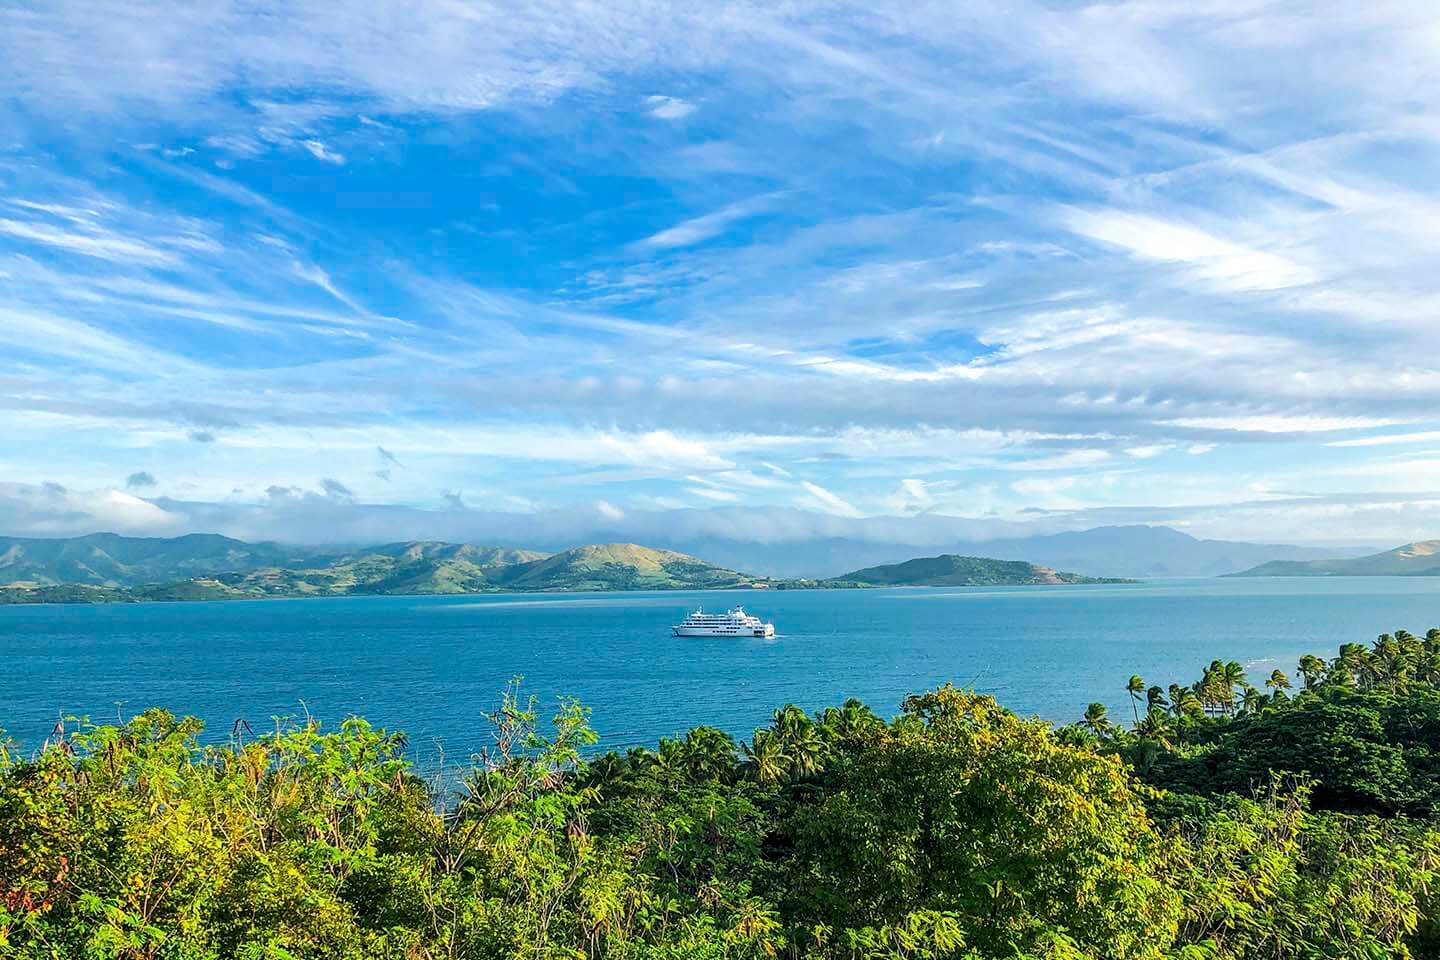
x=1225 y=823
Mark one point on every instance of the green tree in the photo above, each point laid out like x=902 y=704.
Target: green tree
x=799 y=741
x=1097 y=719
x=709 y=754
x=1312 y=670
x=765 y=760
x=1136 y=689
x=1231 y=676
x=1155 y=699
x=1357 y=663
x=989 y=819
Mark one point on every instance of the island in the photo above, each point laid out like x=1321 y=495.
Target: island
x=1419 y=559
x=105 y=568
x=949 y=570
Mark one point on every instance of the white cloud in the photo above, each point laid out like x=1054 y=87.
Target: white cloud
x=84 y=346
x=664 y=450
x=94 y=243
x=1225 y=263
x=669 y=108
x=1389 y=439
x=712 y=493
x=912 y=496
x=52 y=510
x=702 y=228
x=319 y=151
x=1070 y=460
x=1280 y=423
x=828 y=501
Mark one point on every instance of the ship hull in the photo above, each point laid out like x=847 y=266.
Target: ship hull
x=766 y=631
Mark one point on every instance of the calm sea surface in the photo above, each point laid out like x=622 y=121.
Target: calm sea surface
x=431 y=665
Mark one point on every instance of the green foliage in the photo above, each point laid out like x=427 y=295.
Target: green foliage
x=955 y=830
x=1364 y=728
x=1265 y=878
x=986 y=819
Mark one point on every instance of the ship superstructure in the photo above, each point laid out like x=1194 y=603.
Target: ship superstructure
x=735 y=622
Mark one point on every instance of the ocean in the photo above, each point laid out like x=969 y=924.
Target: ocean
x=432 y=666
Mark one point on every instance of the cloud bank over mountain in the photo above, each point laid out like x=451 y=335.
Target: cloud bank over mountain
x=781 y=541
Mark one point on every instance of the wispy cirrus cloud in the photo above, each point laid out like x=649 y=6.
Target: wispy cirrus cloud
x=1104 y=258
x=94 y=243
x=702 y=228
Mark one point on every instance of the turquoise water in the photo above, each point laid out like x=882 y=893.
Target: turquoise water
x=431 y=665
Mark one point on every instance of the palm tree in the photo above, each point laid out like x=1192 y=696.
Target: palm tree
x=765 y=761
x=806 y=753
x=799 y=741
x=670 y=756
x=1155 y=726
x=605 y=770
x=1355 y=660
x=709 y=754
x=1177 y=699
x=849 y=722
x=1429 y=669
x=1155 y=699
x=1412 y=652
x=1209 y=687
x=1097 y=719
x=1278 y=681
x=1187 y=704
x=1251 y=699
x=1232 y=675
x=1385 y=659
x=1312 y=669
x=1136 y=689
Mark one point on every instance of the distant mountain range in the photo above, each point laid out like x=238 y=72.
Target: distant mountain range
x=1420 y=559
x=953 y=571
x=106 y=559
x=105 y=566
x=401 y=568
x=1119 y=551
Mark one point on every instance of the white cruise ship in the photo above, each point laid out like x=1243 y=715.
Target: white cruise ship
x=734 y=623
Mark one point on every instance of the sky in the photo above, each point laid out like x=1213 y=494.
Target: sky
x=322 y=272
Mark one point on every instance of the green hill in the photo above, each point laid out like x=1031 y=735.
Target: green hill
x=251 y=569
x=617 y=566
x=949 y=570
x=1420 y=559
x=110 y=560
x=420 y=567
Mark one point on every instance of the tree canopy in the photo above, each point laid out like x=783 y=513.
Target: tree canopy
x=1225 y=822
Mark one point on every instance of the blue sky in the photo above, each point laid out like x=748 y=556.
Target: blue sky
x=322 y=273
